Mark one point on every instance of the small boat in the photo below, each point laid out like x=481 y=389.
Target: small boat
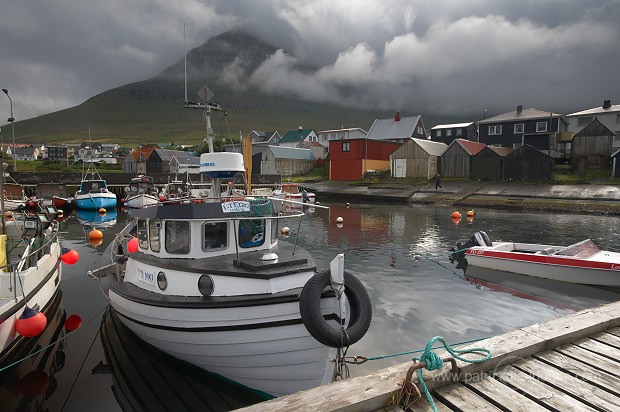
x=93 y=193
x=14 y=196
x=210 y=283
x=141 y=192
x=176 y=191
x=54 y=194
x=583 y=262
x=30 y=272
x=292 y=191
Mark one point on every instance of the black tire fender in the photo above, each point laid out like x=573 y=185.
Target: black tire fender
x=360 y=313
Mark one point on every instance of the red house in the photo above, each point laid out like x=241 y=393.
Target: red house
x=351 y=158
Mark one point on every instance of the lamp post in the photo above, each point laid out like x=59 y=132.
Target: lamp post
x=12 y=120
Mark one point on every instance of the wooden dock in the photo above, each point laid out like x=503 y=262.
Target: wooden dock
x=568 y=363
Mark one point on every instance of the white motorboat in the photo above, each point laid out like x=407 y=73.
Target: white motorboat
x=583 y=262
x=141 y=192
x=210 y=283
x=30 y=272
x=14 y=196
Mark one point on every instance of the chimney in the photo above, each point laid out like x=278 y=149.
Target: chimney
x=519 y=109
x=397 y=117
x=606 y=104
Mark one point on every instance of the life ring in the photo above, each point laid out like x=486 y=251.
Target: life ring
x=359 y=306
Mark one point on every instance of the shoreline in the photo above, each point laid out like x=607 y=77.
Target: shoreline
x=603 y=199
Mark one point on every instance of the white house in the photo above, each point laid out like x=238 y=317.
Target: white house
x=324 y=136
x=608 y=114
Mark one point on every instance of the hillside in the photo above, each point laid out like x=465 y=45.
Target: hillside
x=152 y=110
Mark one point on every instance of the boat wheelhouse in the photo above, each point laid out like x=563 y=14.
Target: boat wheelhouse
x=141 y=192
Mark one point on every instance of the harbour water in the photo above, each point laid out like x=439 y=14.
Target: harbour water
x=399 y=252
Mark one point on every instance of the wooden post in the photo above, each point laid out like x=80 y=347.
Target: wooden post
x=246 y=145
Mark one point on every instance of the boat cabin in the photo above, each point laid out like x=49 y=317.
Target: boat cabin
x=141 y=185
x=93 y=186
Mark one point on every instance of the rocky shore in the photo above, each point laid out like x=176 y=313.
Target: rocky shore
x=601 y=199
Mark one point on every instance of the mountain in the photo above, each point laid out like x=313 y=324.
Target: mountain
x=152 y=110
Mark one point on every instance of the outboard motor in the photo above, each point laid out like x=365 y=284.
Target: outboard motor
x=478 y=239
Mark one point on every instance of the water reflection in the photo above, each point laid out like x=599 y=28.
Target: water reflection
x=144 y=378
x=94 y=219
x=30 y=383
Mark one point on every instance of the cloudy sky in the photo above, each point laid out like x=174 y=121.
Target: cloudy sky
x=435 y=58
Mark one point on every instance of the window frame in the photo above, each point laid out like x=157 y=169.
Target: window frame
x=495 y=130
x=142 y=230
x=521 y=125
x=346 y=147
x=262 y=240
x=168 y=242
x=154 y=239
x=539 y=129
x=204 y=238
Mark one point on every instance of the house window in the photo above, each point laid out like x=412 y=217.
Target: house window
x=618 y=118
x=420 y=130
x=215 y=235
x=438 y=133
x=519 y=127
x=449 y=132
x=584 y=121
x=177 y=237
x=341 y=136
x=346 y=146
x=541 y=127
x=495 y=130
x=459 y=131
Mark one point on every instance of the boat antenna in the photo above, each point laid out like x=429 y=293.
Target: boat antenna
x=185 y=54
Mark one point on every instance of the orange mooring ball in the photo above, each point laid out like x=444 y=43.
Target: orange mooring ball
x=470 y=213
x=132 y=245
x=30 y=323
x=102 y=211
x=456 y=214
x=69 y=256
x=95 y=234
x=73 y=322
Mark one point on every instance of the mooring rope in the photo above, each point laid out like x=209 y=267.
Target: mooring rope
x=434 y=361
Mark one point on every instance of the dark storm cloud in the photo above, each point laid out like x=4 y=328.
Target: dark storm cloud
x=451 y=58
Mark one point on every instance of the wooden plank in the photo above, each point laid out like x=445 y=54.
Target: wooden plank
x=374 y=391
x=599 y=347
x=544 y=393
x=587 y=393
x=593 y=359
x=614 y=331
x=609 y=339
x=464 y=399
x=422 y=405
x=500 y=394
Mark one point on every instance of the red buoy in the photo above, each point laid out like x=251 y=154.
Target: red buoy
x=162 y=198
x=30 y=323
x=69 y=256
x=132 y=245
x=73 y=322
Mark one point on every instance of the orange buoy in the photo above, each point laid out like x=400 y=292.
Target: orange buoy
x=470 y=219
x=8 y=215
x=102 y=211
x=456 y=220
x=60 y=212
x=132 y=245
x=95 y=234
x=30 y=323
x=69 y=256
x=470 y=213
x=456 y=214
x=73 y=322
x=95 y=242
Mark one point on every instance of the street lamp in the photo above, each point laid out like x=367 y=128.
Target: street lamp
x=12 y=120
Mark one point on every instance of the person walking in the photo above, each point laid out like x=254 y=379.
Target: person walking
x=437 y=181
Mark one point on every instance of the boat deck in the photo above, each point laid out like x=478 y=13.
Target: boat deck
x=568 y=363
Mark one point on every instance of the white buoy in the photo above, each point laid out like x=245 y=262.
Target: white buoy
x=348 y=204
x=339 y=225
x=286 y=230
x=339 y=219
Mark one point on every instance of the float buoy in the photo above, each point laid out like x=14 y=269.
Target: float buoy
x=286 y=230
x=73 y=322
x=360 y=314
x=456 y=220
x=95 y=242
x=8 y=215
x=339 y=225
x=122 y=200
x=95 y=234
x=60 y=212
x=30 y=323
x=348 y=204
x=470 y=213
x=69 y=256
x=162 y=198
x=102 y=211
x=339 y=219
x=456 y=214
x=132 y=245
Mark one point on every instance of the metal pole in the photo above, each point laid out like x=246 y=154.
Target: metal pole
x=12 y=120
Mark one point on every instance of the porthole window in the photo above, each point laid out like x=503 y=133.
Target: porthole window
x=162 y=282
x=205 y=285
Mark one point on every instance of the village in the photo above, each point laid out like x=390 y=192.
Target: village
x=520 y=145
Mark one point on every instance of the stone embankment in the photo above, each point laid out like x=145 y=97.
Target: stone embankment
x=579 y=199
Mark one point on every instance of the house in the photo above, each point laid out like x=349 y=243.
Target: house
x=446 y=133
x=521 y=127
x=349 y=159
x=456 y=160
x=320 y=151
x=397 y=129
x=325 y=136
x=287 y=161
x=135 y=161
x=592 y=147
x=418 y=158
x=172 y=161
x=26 y=153
x=59 y=152
x=528 y=163
x=488 y=163
x=292 y=138
x=265 y=138
x=608 y=114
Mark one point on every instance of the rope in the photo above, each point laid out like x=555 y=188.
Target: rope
x=434 y=361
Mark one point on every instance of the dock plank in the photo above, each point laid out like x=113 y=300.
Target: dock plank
x=587 y=393
x=500 y=394
x=543 y=393
x=599 y=348
x=591 y=358
x=609 y=339
x=614 y=331
x=422 y=405
x=464 y=399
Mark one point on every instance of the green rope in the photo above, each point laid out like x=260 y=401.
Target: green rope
x=420 y=350
x=434 y=361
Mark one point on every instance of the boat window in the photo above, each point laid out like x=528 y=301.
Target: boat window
x=251 y=233
x=143 y=235
x=154 y=229
x=583 y=249
x=177 y=237
x=215 y=235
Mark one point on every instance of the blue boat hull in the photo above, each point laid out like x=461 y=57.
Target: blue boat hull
x=94 y=202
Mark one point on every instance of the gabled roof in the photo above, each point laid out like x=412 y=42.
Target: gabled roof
x=295 y=136
x=350 y=129
x=261 y=137
x=283 y=152
x=595 y=128
x=614 y=154
x=451 y=126
x=501 y=150
x=597 y=110
x=430 y=147
x=166 y=155
x=525 y=114
x=316 y=144
x=385 y=129
x=470 y=147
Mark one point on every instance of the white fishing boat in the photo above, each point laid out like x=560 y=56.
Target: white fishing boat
x=93 y=192
x=582 y=262
x=14 y=196
x=30 y=273
x=141 y=192
x=292 y=191
x=210 y=283
x=176 y=191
